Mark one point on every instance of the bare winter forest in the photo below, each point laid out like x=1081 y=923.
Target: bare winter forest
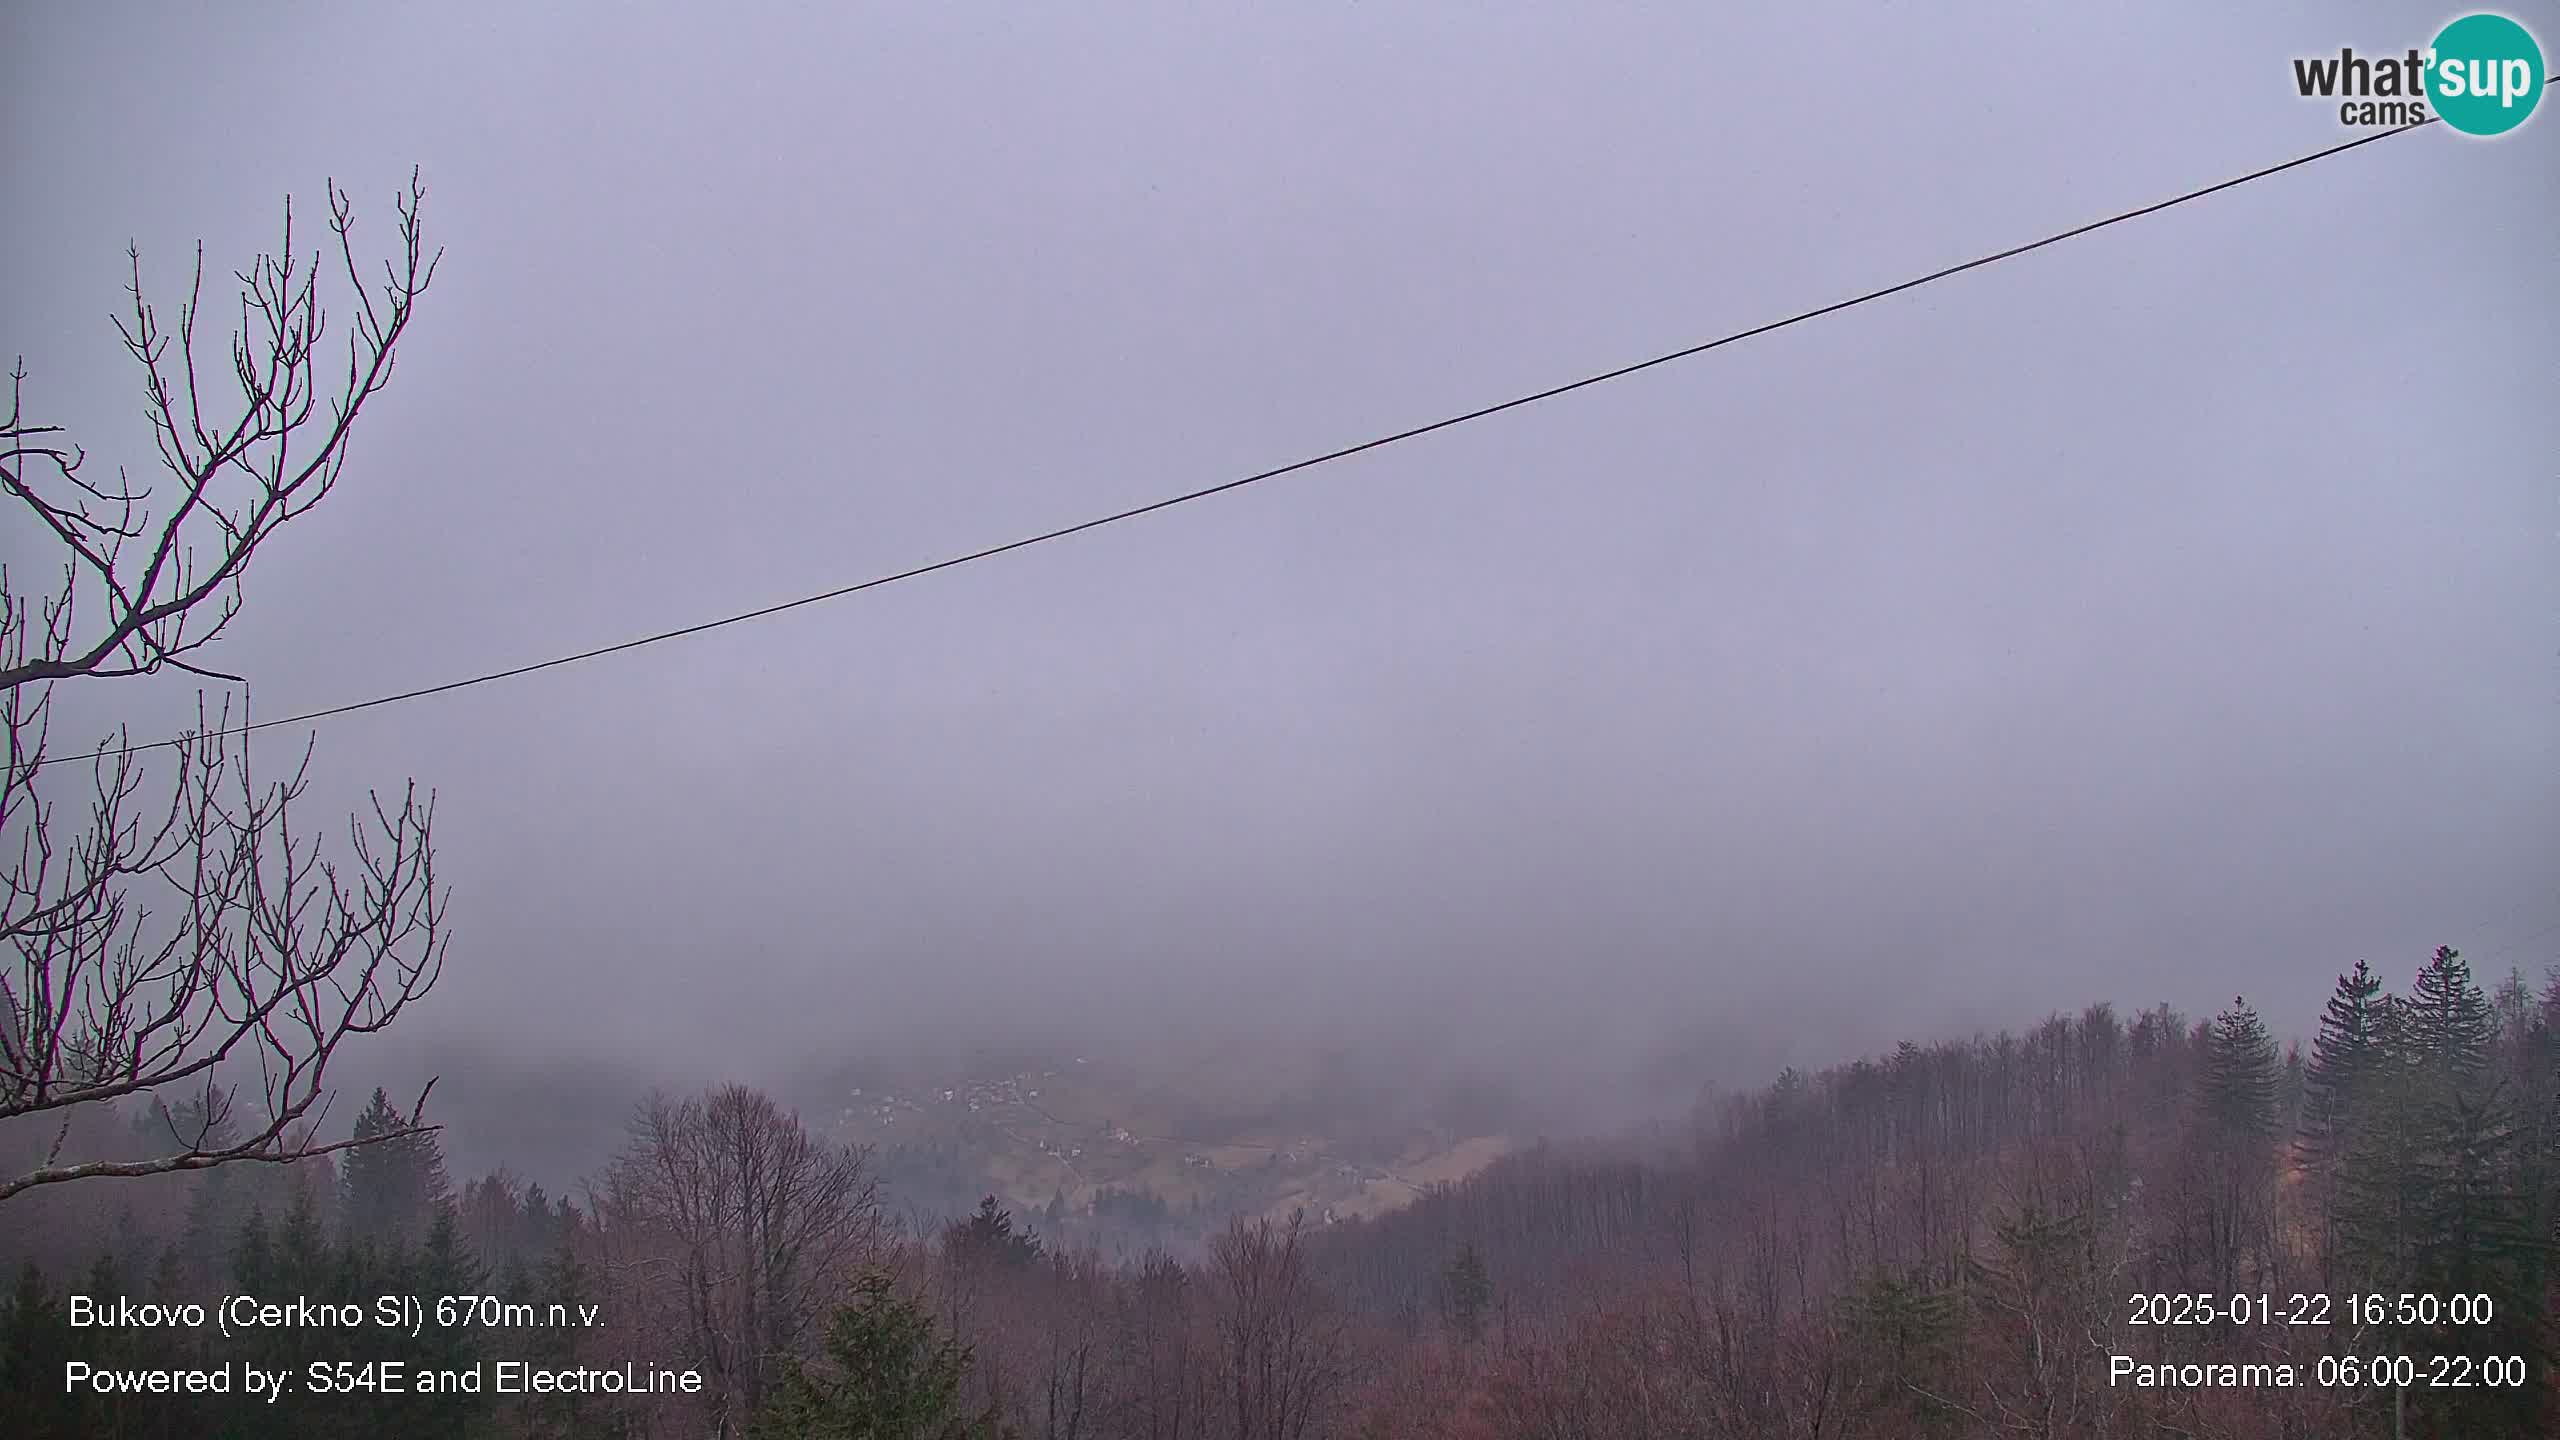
x=1981 y=1237
x=1123 y=723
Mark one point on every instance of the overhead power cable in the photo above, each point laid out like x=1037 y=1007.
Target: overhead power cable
x=1328 y=457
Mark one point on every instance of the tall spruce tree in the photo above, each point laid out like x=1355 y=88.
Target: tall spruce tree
x=302 y=1253
x=2475 y=1231
x=2432 y=1201
x=2380 y=1196
x=2451 y=1024
x=2342 y=1055
x=2346 y=1059
x=444 y=1266
x=2240 y=1074
x=2231 y=1180
x=392 y=1188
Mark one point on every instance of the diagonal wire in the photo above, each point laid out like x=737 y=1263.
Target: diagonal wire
x=1309 y=463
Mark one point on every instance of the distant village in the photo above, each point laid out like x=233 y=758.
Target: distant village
x=1034 y=1139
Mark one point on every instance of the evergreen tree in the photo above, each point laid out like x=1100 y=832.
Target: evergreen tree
x=393 y=1187
x=446 y=1266
x=133 y=1247
x=2345 y=1059
x=282 y=1262
x=302 y=1260
x=443 y=1266
x=2342 y=1056
x=2240 y=1073
x=988 y=1237
x=2230 y=1158
x=1467 y=1291
x=566 y=1415
x=541 y=1233
x=114 y=1349
x=2451 y=1024
x=2537 y=1068
x=169 y=1277
x=35 y=1344
x=2434 y=1199
x=2381 y=1195
x=253 y=1259
x=2474 y=1223
x=219 y=1200
x=1904 y=1329
x=106 y=1276
x=2038 y=1283
x=889 y=1376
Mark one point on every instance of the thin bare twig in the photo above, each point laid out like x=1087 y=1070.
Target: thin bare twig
x=152 y=944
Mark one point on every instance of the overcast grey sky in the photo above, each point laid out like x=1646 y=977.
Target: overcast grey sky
x=2160 y=616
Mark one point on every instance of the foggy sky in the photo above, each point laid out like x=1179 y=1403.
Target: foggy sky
x=2158 y=617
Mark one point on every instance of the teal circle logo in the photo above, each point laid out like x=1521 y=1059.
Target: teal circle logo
x=2484 y=75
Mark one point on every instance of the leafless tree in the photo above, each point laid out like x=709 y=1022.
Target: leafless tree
x=727 y=1214
x=1065 y=1303
x=1160 y=1358
x=169 y=932
x=1286 y=1349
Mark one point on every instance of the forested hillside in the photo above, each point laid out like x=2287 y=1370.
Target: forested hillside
x=1957 y=1239
x=2097 y=1227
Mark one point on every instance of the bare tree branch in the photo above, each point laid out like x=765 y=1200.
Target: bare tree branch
x=182 y=932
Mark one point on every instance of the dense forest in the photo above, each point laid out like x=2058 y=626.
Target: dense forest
x=2097 y=1227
